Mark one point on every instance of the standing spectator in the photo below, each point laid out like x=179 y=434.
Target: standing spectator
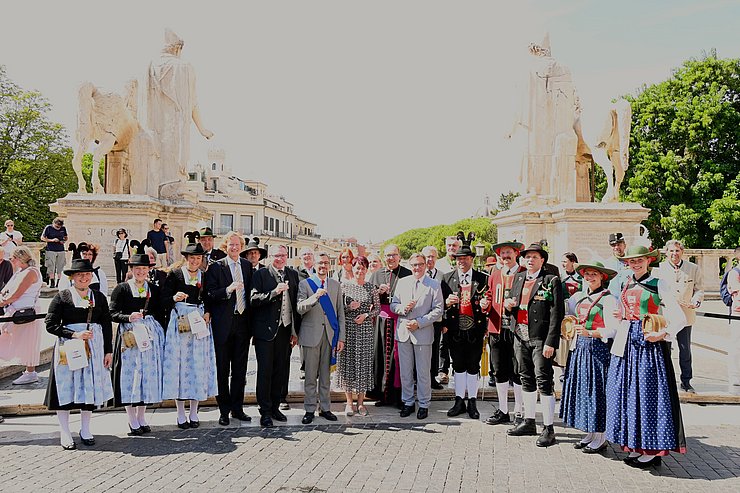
x=307 y=268
x=169 y=244
x=491 y=262
x=431 y=255
x=6 y=269
x=617 y=262
x=344 y=270
x=572 y=281
x=157 y=238
x=87 y=251
x=205 y=237
x=54 y=235
x=733 y=353
x=374 y=262
x=685 y=279
x=121 y=254
x=10 y=238
x=448 y=263
x=22 y=291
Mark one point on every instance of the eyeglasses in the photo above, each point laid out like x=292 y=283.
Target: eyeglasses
x=280 y=255
x=391 y=255
x=324 y=262
x=418 y=265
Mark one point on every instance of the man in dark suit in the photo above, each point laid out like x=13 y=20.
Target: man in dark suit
x=275 y=326
x=227 y=288
x=536 y=308
x=206 y=240
x=466 y=325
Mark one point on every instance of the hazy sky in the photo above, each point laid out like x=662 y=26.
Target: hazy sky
x=371 y=117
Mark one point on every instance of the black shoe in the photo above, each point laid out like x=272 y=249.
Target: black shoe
x=422 y=413
x=518 y=418
x=407 y=410
x=183 y=426
x=399 y=405
x=223 y=420
x=307 y=418
x=547 y=437
x=655 y=461
x=472 y=409
x=70 y=446
x=194 y=424
x=458 y=408
x=266 y=422
x=528 y=427
x=436 y=385
x=328 y=415
x=498 y=418
x=629 y=459
x=241 y=416
x=580 y=445
x=491 y=382
x=688 y=389
x=589 y=450
x=381 y=403
x=278 y=416
x=146 y=429
x=88 y=441
x=135 y=432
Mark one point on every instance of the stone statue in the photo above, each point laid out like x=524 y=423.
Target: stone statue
x=171 y=105
x=612 y=148
x=547 y=118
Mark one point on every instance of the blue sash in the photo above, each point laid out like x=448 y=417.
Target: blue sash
x=331 y=314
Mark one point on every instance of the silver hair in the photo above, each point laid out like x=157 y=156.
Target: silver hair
x=671 y=243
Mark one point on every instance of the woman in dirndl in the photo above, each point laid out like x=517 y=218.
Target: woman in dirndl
x=139 y=349
x=189 y=372
x=583 y=405
x=643 y=411
x=79 y=313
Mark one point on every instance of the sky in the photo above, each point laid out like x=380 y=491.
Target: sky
x=370 y=117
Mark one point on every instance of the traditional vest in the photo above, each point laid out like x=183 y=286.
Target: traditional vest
x=590 y=314
x=522 y=315
x=640 y=298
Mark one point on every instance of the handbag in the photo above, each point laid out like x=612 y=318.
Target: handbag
x=117 y=255
x=24 y=316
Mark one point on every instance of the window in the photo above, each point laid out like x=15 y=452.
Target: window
x=192 y=176
x=213 y=166
x=227 y=223
x=246 y=224
x=266 y=223
x=272 y=224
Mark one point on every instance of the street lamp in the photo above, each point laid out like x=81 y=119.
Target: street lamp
x=479 y=249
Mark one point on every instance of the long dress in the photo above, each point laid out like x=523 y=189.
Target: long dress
x=643 y=411
x=583 y=405
x=22 y=343
x=89 y=387
x=189 y=370
x=355 y=362
x=137 y=375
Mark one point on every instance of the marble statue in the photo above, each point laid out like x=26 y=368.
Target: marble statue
x=171 y=106
x=611 y=150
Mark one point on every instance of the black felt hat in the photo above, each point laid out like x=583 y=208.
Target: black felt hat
x=465 y=250
x=536 y=247
x=79 y=265
x=254 y=244
x=140 y=259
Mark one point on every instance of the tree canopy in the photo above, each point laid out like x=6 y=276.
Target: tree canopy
x=413 y=240
x=685 y=154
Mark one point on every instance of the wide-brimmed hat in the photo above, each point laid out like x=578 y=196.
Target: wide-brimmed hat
x=490 y=261
x=511 y=244
x=465 y=250
x=615 y=238
x=193 y=249
x=254 y=244
x=79 y=265
x=597 y=266
x=141 y=260
x=638 y=251
x=204 y=232
x=535 y=247
x=122 y=230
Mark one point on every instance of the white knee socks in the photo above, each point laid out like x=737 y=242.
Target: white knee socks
x=193 y=410
x=530 y=404
x=548 y=409
x=180 y=412
x=85 y=418
x=472 y=386
x=461 y=382
x=133 y=421
x=518 y=399
x=66 y=436
x=502 y=389
x=141 y=415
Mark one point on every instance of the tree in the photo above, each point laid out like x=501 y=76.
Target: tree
x=505 y=201
x=35 y=159
x=414 y=240
x=685 y=150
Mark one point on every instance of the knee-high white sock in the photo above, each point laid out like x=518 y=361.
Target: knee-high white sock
x=588 y=438
x=193 y=410
x=530 y=404
x=133 y=420
x=472 y=386
x=85 y=418
x=66 y=436
x=548 y=409
x=460 y=384
x=518 y=399
x=141 y=415
x=180 y=412
x=502 y=389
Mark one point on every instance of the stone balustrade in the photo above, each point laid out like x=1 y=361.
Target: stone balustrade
x=711 y=262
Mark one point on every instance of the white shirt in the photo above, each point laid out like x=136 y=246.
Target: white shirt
x=11 y=245
x=461 y=276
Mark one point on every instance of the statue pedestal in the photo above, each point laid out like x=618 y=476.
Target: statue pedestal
x=96 y=218
x=582 y=227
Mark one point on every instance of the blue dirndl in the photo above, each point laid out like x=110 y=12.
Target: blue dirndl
x=583 y=405
x=140 y=379
x=189 y=370
x=643 y=411
x=90 y=385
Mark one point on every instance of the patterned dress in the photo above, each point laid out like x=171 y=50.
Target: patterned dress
x=583 y=405
x=355 y=362
x=643 y=411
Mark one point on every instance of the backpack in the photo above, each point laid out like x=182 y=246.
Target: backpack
x=723 y=292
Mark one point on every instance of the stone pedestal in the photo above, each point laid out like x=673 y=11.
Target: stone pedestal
x=582 y=228
x=96 y=218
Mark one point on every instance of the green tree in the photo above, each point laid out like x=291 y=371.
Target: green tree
x=505 y=201
x=415 y=239
x=35 y=159
x=685 y=150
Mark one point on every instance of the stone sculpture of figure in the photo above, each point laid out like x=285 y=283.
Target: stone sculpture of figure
x=107 y=119
x=171 y=105
x=612 y=148
x=547 y=119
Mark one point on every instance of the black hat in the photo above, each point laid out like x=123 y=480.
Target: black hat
x=140 y=259
x=253 y=244
x=205 y=232
x=465 y=250
x=192 y=248
x=615 y=238
x=79 y=265
x=536 y=247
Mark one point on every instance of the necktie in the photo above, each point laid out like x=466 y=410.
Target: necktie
x=465 y=279
x=429 y=273
x=241 y=303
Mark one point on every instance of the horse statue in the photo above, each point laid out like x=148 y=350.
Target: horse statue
x=107 y=119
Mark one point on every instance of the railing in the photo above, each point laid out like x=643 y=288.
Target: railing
x=710 y=261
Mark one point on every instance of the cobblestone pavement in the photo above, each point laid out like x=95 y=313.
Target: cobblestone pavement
x=382 y=452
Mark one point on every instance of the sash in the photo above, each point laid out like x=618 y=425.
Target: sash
x=331 y=314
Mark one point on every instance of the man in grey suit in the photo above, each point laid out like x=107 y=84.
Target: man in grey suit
x=418 y=303
x=321 y=306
